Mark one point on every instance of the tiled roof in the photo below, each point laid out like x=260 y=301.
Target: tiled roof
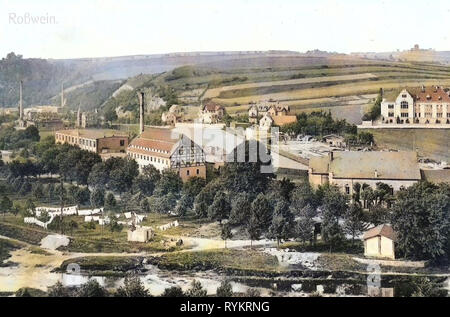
x=93 y=133
x=429 y=94
x=436 y=176
x=365 y=165
x=158 y=141
x=283 y=120
x=212 y=106
x=381 y=230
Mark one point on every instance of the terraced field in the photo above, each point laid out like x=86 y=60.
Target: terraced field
x=344 y=87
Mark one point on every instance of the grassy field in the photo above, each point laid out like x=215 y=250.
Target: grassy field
x=431 y=143
x=221 y=259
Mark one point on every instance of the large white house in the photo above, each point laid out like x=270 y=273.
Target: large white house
x=425 y=105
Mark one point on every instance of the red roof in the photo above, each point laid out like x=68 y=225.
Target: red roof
x=212 y=106
x=158 y=141
x=381 y=230
x=430 y=94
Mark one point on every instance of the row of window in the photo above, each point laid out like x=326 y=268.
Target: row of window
x=148 y=158
x=74 y=140
x=149 y=149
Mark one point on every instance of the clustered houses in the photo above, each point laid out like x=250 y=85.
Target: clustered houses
x=174 y=115
x=345 y=168
x=211 y=113
x=164 y=148
x=269 y=115
x=425 y=105
x=98 y=141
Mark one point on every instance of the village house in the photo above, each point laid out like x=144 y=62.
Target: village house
x=100 y=141
x=425 y=105
x=335 y=140
x=165 y=148
x=255 y=112
x=140 y=234
x=211 y=113
x=269 y=115
x=345 y=168
x=174 y=115
x=379 y=242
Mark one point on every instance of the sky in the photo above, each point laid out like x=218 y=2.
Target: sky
x=101 y=28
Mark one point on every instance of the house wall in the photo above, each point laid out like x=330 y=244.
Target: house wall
x=192 y=171
x=379 y=246
x=112 y=144
x=344 y=183
x=159 y=163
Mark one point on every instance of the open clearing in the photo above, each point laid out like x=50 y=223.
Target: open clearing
x=433 y=143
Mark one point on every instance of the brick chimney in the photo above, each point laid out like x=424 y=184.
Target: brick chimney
x=141 y=111
x=21 y=100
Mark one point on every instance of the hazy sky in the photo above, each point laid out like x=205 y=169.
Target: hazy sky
x=95 y=28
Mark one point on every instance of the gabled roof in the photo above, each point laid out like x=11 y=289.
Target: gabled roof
x=420 y=94
x=283 y=120
x=159 y=140
x=436 y=176
x=383 y=230
x=365 y=165
x=211 y=106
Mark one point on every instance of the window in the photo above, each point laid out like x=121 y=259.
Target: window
x=390 y=114
x=404 y=96
x=439 y=114
x=122 y=142
x=187 y=172
x=391 y=106
x=404 y=115
x=347 y=189
x=198 y=171
x=404 y=105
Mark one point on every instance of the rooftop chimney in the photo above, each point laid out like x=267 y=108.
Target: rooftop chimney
x=331 y=155
x=141 y=111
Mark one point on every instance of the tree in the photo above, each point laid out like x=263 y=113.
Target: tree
x=253 y=228
x=282 y=222
x=220 y=208
x=110 y=115
x=225 y=289
x=6 y=204
x=58 y=290
x=97 y=198
x=72 y=224
x=184 y=205
x=240 y=206
x=354 y=221
x=302 y=196
x=421 y=221
x=193 y=186
x=38 y=190
x=334 y=207
x=145 y=205
x=91 y=289
x=170 y=182
x=133 y=287
x=99 y=176
x=226 y=233
x=110 y=201
x=196 y=290
x=174 y=291
x=262 y=211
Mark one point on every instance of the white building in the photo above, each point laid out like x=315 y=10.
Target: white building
x=426 y=105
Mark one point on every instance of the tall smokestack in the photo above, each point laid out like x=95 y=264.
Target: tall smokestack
x=21 y=101
x=141 y=111
x=62 y=95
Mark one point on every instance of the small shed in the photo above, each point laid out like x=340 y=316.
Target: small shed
x=335 y=140
x=140 y=234
x=379 y=242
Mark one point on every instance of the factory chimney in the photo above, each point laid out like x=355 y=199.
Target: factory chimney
x=21 y=101
x=141 y=111
x=62 y=95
